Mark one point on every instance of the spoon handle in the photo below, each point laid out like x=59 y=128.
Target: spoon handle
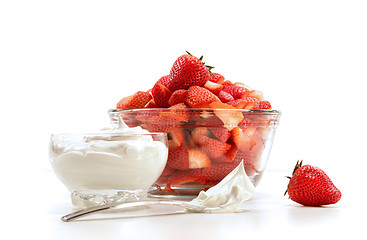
x=93 y=210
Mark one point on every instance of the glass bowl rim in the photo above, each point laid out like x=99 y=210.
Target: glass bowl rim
x=260 y=111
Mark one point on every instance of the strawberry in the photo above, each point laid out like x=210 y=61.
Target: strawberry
x=137 y=100
x=150 y=104
x=222 y=133
x=216 y=78
x=178 y=111
x=310 y=186
x=230 y=118
x=217 y=171
x=214 y=148
x=265 y=105
x=198 y=159
x=245 y=103
x=197 y=133
x=225 y=97
x=180 y=177
x=177 y=96
x=256 y=94
x=199 y=97
x=213 y=87
x=242 y=139
x=178 y=136
x=178 y=158
x=229 y=156
x=187 y=71
x=236 y=91
x=161 y=95
x=160 y=123
x=167 y=171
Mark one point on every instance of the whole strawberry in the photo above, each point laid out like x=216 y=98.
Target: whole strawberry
x=187 y=71
x=310 y=186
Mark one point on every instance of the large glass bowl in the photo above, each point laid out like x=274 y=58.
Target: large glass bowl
x=225 y=136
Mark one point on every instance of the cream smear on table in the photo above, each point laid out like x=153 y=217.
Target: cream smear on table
x=227 y=196
x=119 y=158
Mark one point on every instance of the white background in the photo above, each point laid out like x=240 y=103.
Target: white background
x=64 y=63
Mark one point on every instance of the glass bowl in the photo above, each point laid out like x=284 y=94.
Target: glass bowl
x=205 y=144
x=100 y=168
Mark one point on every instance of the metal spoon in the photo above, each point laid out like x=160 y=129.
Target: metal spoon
x=123 y=206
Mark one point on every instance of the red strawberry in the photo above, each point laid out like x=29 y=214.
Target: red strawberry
x=216 y=78
x=177 y=96
x=197 y=133
x=265 y=105
x=230 y=118
x=213 y=87
x=242 y=139
x=236 y=91
x=212 y=147
x=217 y=171
x=225 y=97
x=245 y=103
x=137 y=100
x=178 y=111
x=160 y=123
x=167 y=171
x=229 y=156
x=310 y=186
x=150 y=104
x=222 y=133
x=198 y=159
x=184 y=176
x=161 y=95
x=198 y=97
x=178 y=158
x=178 y=136
x=187 y=71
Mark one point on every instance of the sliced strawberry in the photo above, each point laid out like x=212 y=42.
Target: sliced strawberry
x=227 y=82
x=229 y=118
x=178 y=111
x=265 y=105
x=137 y=100
x=151 y=104
x=213 y=87
x=246 y=157
x=245 y=123
x=178 y=158
x=216 y=78
x=243 y=142
x=178 y=96
x=178 y=136
x=198 y=159
x=197 y=133
x=161 y=94
x=167 y=171
x=199 y=97
x=236 y=91
x=160 y=123
x=181 y=177
x=222 y=133
x=229 y=156
x=214 y=148
x=225 y=97
x=256 y=94
x=217 y=171
x=245 y=103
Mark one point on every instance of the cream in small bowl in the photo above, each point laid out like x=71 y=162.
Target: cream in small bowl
x=115 y=165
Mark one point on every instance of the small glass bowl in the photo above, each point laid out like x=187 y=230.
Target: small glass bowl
x=100 y=168
x=249 y=140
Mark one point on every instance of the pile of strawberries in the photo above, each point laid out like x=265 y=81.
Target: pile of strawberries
x=208 y=134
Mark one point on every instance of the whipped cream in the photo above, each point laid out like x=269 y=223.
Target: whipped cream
x=119 y=158
x=227 y=196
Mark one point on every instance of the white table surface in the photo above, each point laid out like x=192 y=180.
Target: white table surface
x=268 y=214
